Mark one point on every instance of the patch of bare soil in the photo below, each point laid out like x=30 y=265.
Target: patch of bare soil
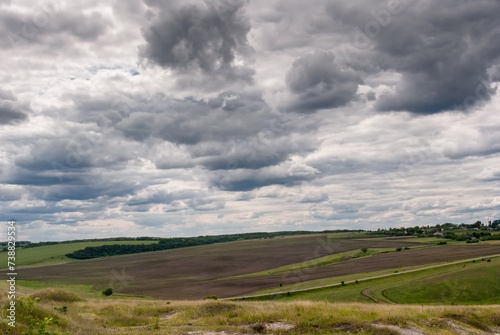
x=400 y=330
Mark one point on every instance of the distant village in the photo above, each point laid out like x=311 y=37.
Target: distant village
x=471 y=233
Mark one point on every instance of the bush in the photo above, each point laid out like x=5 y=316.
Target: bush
x=156 y=322
x=442 y=243
x=364 y=250
x=210 y=297
x=36 y=324
x=107 y=292
x=399 y=249
x=259 y=327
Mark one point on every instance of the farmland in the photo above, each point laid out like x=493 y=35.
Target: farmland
x=243 y=267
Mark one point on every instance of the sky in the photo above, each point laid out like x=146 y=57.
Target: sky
x=187 y=118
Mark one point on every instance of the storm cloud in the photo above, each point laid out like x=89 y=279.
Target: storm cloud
x=168 y=118
x=204 y=38
x=10 y=111
x=443 y=51
x=318 y=83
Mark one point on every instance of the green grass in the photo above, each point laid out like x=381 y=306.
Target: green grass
x=476 y=284
x=335 y=280
x=55 y=254
x=321 y=261
x=452 y=284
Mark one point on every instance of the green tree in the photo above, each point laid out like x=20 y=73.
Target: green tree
x=107 y=292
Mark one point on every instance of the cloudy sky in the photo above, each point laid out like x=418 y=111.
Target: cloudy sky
x=182 y=118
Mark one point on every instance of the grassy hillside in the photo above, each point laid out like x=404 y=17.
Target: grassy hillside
x=450 y=284
x=55 y=254
x=467 y=285
x=117 y=316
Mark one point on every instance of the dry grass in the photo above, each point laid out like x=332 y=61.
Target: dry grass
x=56 y=295
x=107 y=316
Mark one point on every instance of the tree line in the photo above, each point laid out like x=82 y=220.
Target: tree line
x=181 y=242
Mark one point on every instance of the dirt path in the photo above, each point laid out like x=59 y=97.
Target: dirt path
x=369 y=296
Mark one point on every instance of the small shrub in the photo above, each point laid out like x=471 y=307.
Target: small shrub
x=489 y=260
x=210 y=297
x=357 y=282
x=281 y=284
x=156 y=323
x=259 y=327
x=33 y=321
x=442 y=243
x=107 y=292
x=342 y=282
x=364 y=250
x=408 y=248
x=399 y=249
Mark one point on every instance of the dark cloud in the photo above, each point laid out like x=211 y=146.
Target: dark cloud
x=287 y=174
x=9 y=115
x=188 y=121
x=74 y=153
x=250 y=183
x=314 y=197
x=159 y=196
x=205 y=38
x=230 y=131
x=317 y=82
x=442 y=49
x=10 y=112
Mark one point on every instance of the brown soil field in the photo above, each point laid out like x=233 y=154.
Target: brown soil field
x=193 y=273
